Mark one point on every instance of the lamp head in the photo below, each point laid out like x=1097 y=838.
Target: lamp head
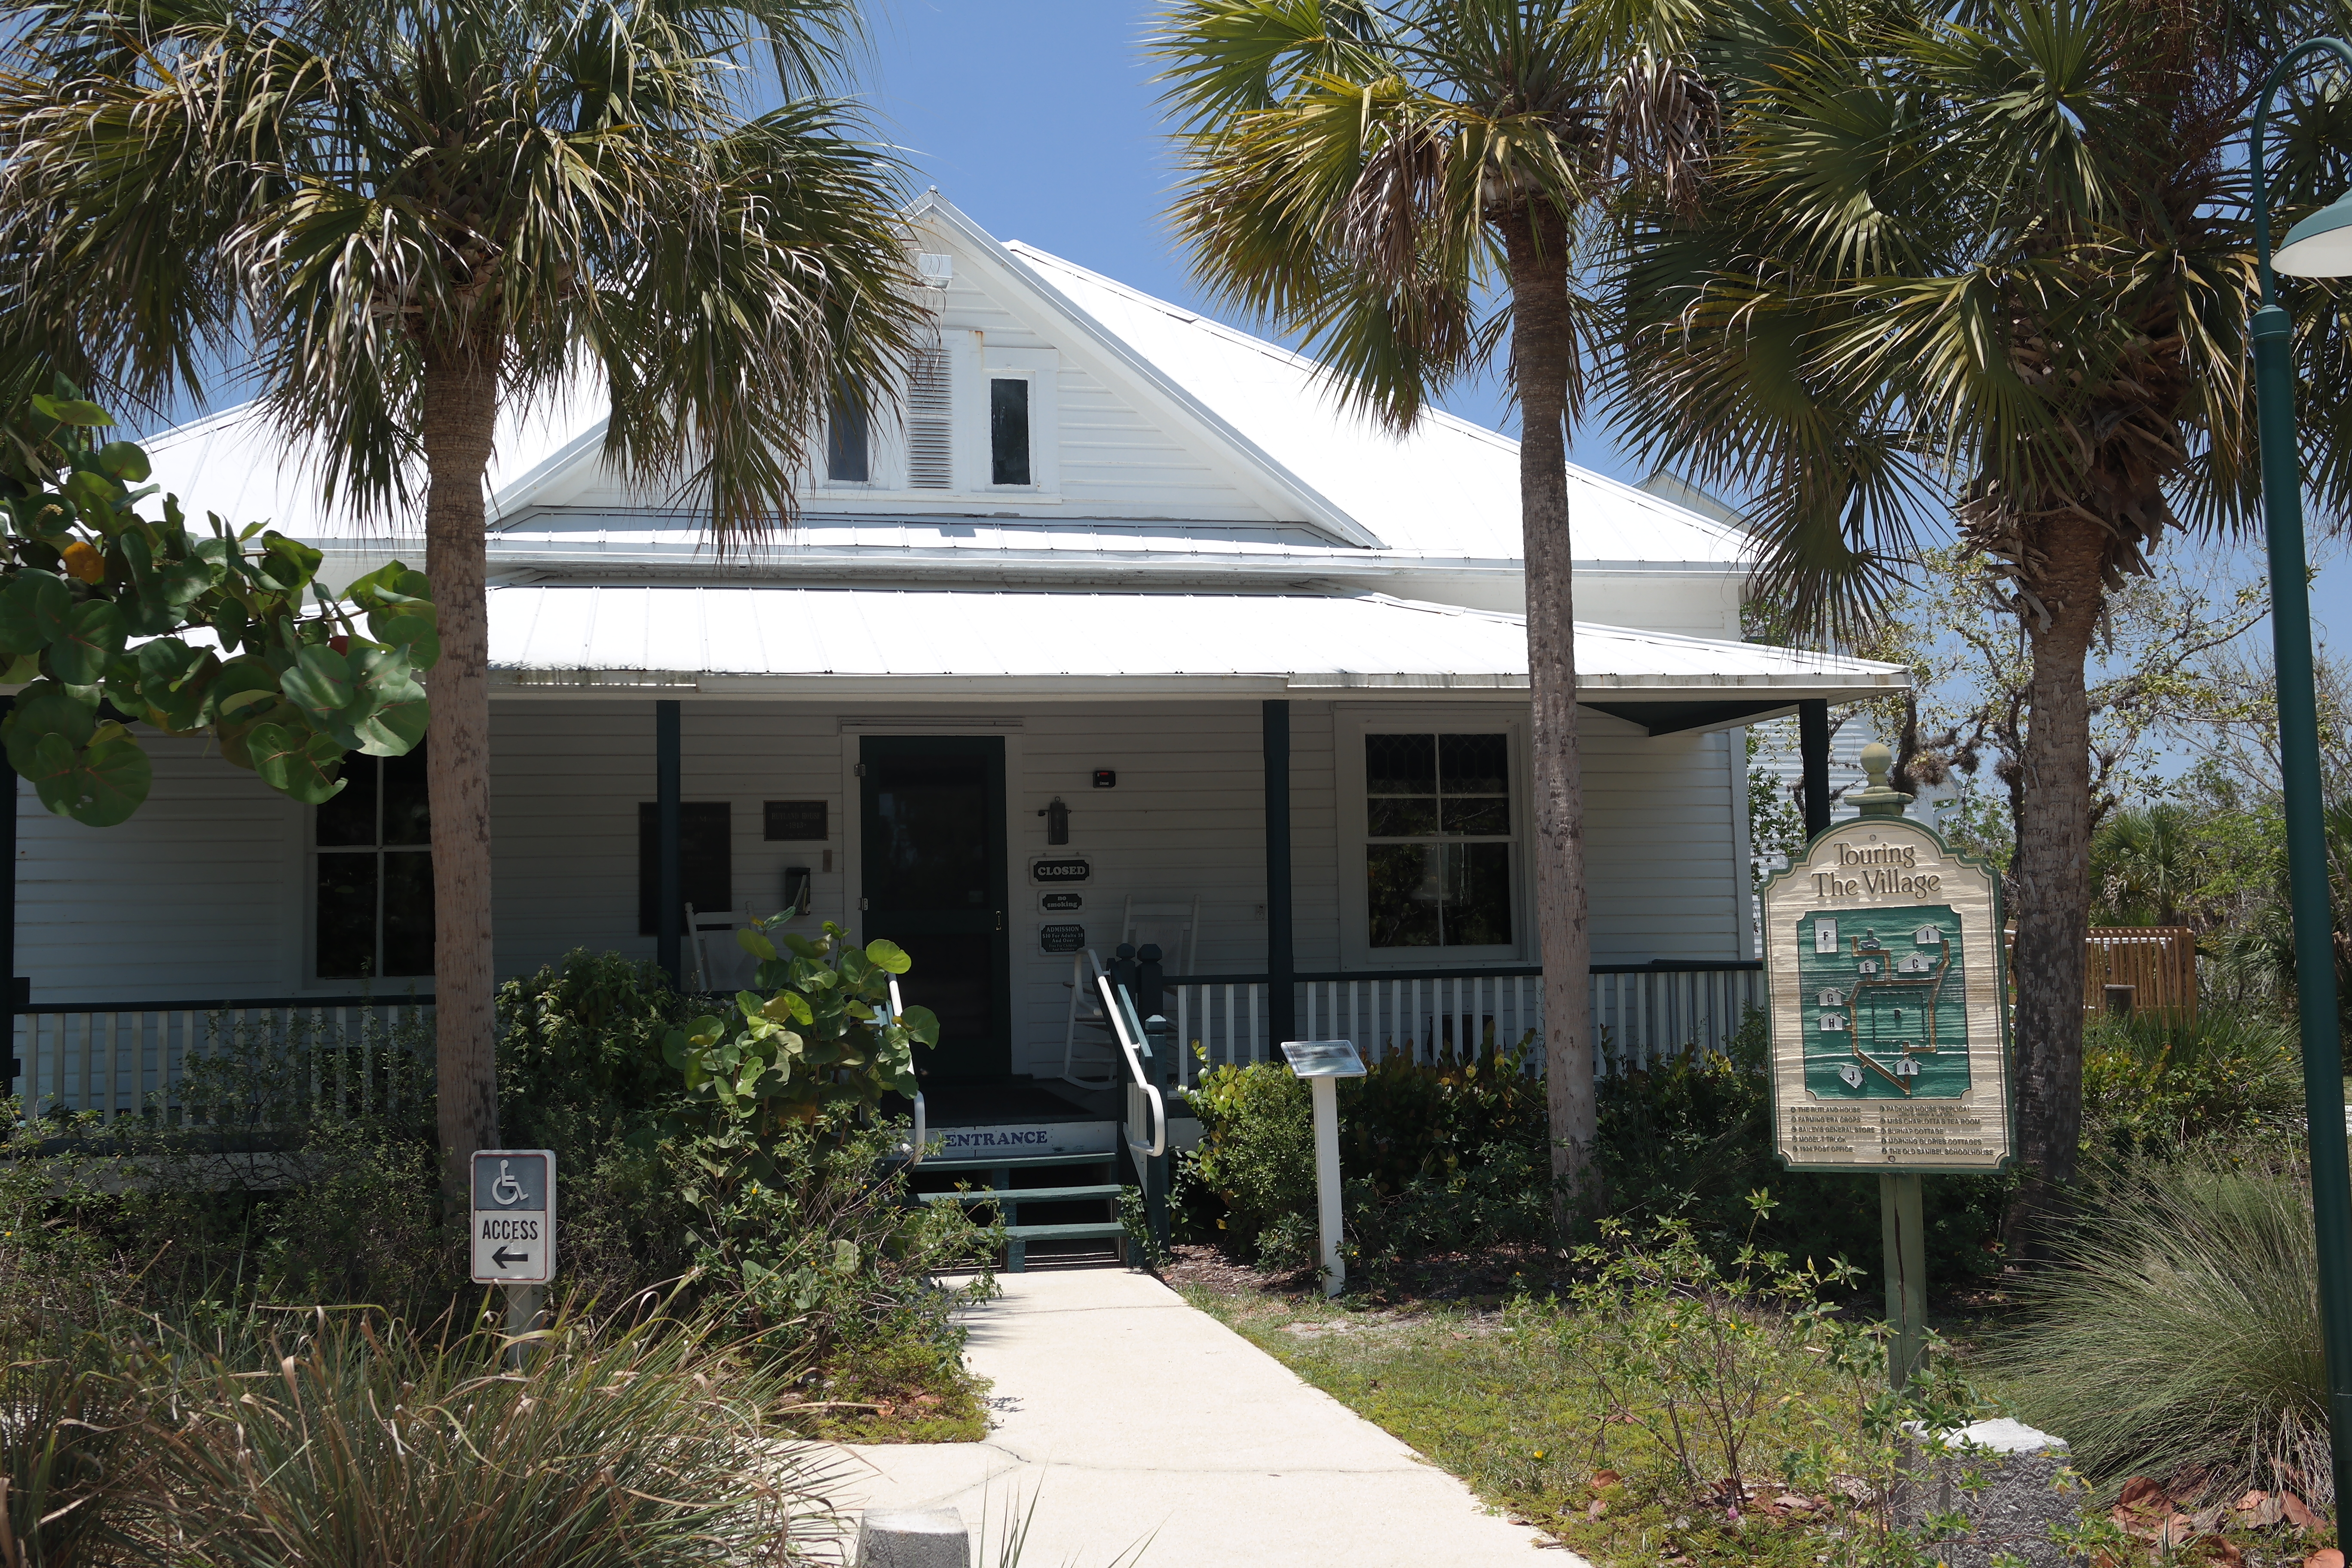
x=2321 y=245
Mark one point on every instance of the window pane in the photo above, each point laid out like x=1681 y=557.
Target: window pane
x=1478 y=816
x=1402 y=894
x=1008 y=431
x=1476 y=764
x=408 y=914
x=845 y=441
x=1398 y=816
x=1477 y=895
x=1401 y=764
x=345 y=900
x=930 y=822
x=706 y=861
x=407 y=814
x=349 y=817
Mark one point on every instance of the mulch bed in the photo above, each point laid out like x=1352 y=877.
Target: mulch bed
x=1481 y=1278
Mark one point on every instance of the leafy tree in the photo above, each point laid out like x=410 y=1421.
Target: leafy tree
x=398 y=216
x=1373 y=177
x=1995 y=258
x=285 y=694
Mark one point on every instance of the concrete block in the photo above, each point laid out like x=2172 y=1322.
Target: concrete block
x=2021 y=1497
x=913 y=1538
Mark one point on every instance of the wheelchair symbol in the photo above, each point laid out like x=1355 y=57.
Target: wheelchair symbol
x=506 y=1189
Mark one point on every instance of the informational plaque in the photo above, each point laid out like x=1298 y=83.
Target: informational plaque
x=1889 y=1029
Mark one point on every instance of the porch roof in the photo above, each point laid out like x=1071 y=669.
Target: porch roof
x=880 y=642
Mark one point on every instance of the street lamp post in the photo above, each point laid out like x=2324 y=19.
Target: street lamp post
x=2319 y=246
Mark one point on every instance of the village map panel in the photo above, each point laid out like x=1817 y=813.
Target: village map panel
x=1889 y=1038
x=1887 y=991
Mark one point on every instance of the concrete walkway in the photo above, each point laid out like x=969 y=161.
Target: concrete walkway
x=1129 y=1417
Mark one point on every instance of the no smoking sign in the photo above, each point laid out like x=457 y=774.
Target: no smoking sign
x=514 y=1216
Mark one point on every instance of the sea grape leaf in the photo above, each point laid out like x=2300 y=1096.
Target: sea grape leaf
x=46 y=708
x=94 y=635
x=31 y=609
x=301 y=764
x=888 y=956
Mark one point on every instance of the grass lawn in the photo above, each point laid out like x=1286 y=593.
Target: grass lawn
x=1506 y=1391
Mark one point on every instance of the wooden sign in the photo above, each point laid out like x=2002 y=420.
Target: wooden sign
x=1890 y=1033
x=1071 y=868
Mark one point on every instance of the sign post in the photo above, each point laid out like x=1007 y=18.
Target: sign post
x=513 y=1233
x=1323 y=1063
x=1890 y=1024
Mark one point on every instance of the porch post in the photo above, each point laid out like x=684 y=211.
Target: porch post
x=1813 y=743
x=9 y=1066
x=669 y=910
x=1283 y=1016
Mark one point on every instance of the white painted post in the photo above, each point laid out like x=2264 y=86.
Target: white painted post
x=1325 y=1093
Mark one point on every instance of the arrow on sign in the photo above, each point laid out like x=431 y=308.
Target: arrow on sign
x=505 y=1260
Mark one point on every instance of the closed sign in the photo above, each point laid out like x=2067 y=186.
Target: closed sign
x=1072 y=869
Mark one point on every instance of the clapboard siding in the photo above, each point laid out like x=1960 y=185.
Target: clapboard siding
x=100 y=916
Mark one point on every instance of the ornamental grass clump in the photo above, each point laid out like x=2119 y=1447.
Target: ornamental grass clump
x=349 y=1441
x=2179 y=1331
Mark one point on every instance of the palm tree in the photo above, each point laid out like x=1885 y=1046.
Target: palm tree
x=2144 y=863
x=1402 y=185
x=398 y=216
x=1994 y=258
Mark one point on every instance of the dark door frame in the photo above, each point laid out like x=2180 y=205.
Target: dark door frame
x=990 y=749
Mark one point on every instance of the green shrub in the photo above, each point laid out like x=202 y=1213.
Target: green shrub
x=617 y=1445
x=2152 y=1088
x=2179 y=1329
x=1436 y=1156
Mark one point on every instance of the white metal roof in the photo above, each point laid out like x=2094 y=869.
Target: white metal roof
x=1081 y=645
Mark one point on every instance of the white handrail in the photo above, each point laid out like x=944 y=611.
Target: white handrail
x=922 y=1127
x=1135 y=1050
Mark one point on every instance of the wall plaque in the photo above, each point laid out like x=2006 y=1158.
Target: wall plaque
x=793 y=821
x=1060 y=903
x=1890 y=1029
x=1069 y=868
x=1061 y=938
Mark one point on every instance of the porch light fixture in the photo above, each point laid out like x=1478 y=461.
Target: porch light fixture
x=2318 y=246
x=1058 y=821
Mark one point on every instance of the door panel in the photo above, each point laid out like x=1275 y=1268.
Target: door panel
x=932 y=874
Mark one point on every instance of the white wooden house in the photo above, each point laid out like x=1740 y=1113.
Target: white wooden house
x=1114 y=567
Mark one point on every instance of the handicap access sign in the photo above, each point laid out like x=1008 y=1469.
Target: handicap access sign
x=514 y=1216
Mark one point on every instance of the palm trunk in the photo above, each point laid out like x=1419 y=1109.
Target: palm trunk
x=460 y=419
x=2053 y=880
x=1542 y=355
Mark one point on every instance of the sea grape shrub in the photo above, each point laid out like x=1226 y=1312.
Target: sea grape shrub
x=109 y=617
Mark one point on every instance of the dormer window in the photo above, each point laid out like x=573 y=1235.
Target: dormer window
x=847 y=459
x=1008 y=431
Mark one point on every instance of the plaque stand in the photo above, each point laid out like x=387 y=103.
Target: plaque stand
x=1901 y=1223
x=1903 y=1232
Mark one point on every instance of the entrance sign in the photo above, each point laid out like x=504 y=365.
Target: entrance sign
x=514 y=1216
x=1889 y=1028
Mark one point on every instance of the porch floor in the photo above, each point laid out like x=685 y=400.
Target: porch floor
x=1126 y=1416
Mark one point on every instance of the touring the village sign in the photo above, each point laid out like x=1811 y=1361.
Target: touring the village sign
x=1889 y=1032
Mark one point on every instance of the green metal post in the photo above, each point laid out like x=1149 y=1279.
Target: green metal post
x=1904 y=1231
x=2307 y=843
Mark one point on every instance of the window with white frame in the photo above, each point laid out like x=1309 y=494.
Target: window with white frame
x=1440 y=850
x=371 y=889
x=848 y=442
x=1008 y=431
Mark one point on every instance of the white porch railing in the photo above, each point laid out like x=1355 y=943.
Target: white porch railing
x=1640 y=1013
x=116 y=1059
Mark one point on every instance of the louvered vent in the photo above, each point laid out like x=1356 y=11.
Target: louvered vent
x=930 y=423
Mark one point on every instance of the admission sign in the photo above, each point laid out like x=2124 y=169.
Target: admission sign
x=1889 y=1029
